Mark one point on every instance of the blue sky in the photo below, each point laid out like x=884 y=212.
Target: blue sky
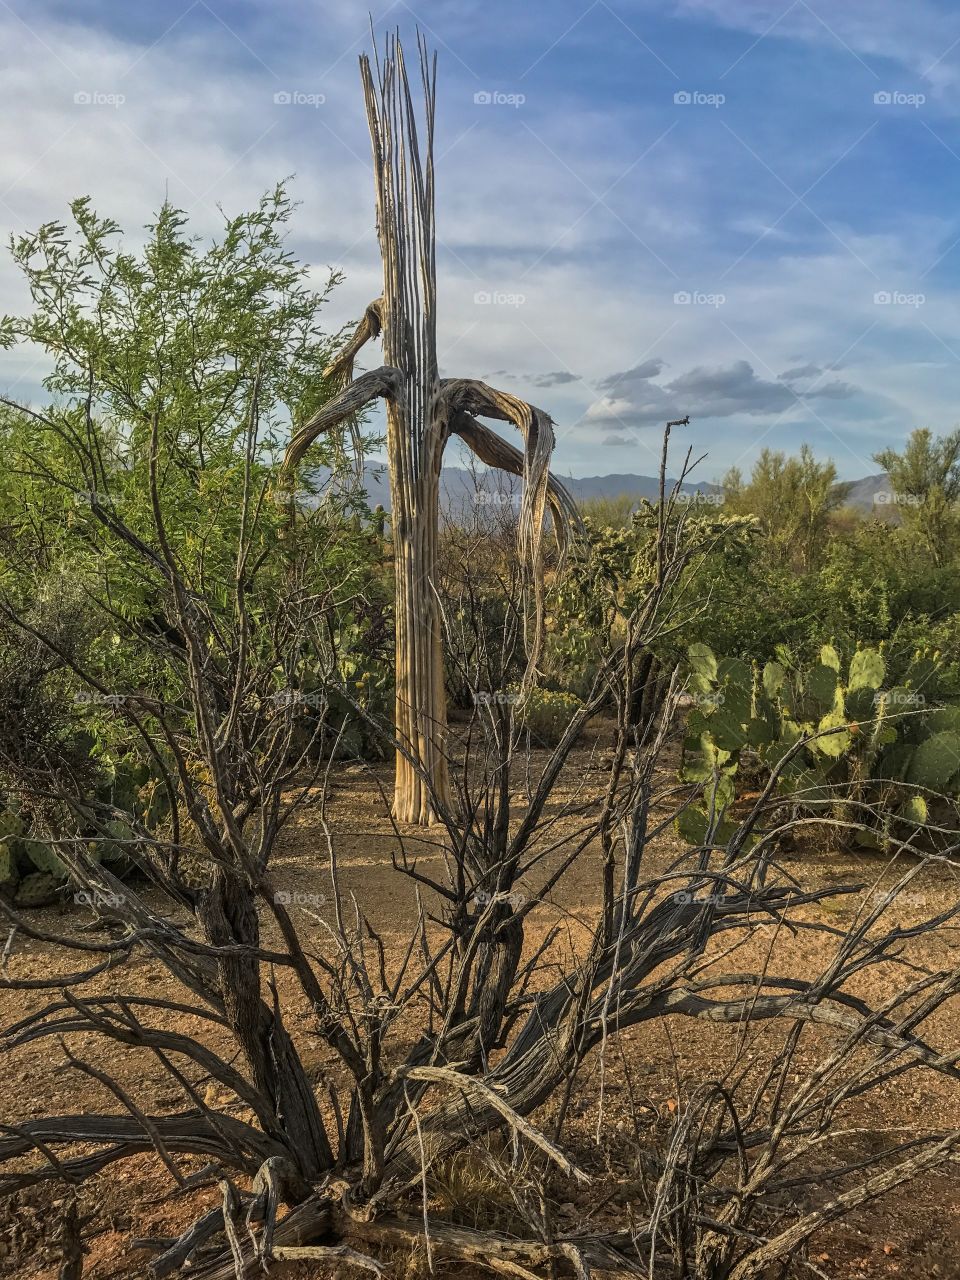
x=744 y=210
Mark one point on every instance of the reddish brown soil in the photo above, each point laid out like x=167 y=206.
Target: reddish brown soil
x=914 y=1233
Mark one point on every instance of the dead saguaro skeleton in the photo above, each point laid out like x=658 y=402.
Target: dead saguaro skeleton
x=423 y=412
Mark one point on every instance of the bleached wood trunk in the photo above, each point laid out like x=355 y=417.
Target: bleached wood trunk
x=421 y=709
x=423 y=412
x=403 y=172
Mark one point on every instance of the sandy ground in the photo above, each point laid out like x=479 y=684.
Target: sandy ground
x=647 y=1072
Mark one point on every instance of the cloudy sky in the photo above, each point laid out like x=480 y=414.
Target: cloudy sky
x=742 y=210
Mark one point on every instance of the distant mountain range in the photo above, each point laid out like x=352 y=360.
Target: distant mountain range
x=866 y=494
x=461 y=489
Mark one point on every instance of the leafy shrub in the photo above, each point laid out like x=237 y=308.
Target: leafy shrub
x=609 y=579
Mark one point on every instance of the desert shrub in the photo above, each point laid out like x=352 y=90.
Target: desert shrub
x=925 y=650
x=480 y=591
x=611 y=574
x=546 y=713
x=63 y=783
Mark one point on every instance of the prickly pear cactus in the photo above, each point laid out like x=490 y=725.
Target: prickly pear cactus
x=865 y=748
x=8 y=868
x=717 y=729
x=935 y=763
x=31 y=869
x=37 y=890
x=41 y=857
x=12 y=826
x=117 y=851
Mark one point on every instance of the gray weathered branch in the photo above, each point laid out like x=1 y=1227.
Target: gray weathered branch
x=384 y=381
x=497 y=452
x=370 y=325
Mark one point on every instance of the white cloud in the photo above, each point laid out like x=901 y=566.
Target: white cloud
x=919 y=36
x=517 y=215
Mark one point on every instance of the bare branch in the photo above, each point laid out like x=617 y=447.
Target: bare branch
x=340 y=369
x=383 y=382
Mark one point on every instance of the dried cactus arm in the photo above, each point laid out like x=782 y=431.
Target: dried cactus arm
x=468 y=396
x=369 y=327
x=383 y=382
x=497 y=452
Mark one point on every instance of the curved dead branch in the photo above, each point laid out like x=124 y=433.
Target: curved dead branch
x=130 y=1032
x=120 y=1136
x=469 y=396
x=497 y=452
x=340 y=369
x=384 y=381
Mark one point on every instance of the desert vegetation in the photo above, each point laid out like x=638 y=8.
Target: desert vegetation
x=521 y=889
